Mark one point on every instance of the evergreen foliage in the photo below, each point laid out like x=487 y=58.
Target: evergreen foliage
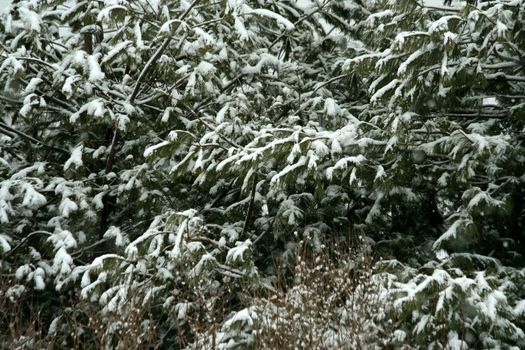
x=165 y=166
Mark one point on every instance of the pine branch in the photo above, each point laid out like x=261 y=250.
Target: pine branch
x=6 y=127
x=442 y=8
x=156 y=55
x=505 y=77
x=147 y=68
x=10 y=100
x=496 y=115
x=330 y=81
x=302 y=19
x=35 y=60
x=25 y=239
x=48 y=107
x=231 y=143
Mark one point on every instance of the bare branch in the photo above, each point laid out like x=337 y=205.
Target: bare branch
x=250 y=206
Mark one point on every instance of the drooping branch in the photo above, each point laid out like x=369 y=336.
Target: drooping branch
x=6 y=127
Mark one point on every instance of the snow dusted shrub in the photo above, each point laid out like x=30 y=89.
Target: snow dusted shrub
x=82 y=325
x=330 y=299
x=16 y=329
x=333 y=302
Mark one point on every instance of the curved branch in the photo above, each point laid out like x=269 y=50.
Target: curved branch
x=30 y=138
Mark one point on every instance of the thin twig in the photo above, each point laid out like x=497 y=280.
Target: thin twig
x=250 y=206
x=84 y=249
x=256 y=240
x=339 y=77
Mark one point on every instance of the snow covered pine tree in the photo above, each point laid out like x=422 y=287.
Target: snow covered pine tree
x=162 y=160
x=447 y=101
